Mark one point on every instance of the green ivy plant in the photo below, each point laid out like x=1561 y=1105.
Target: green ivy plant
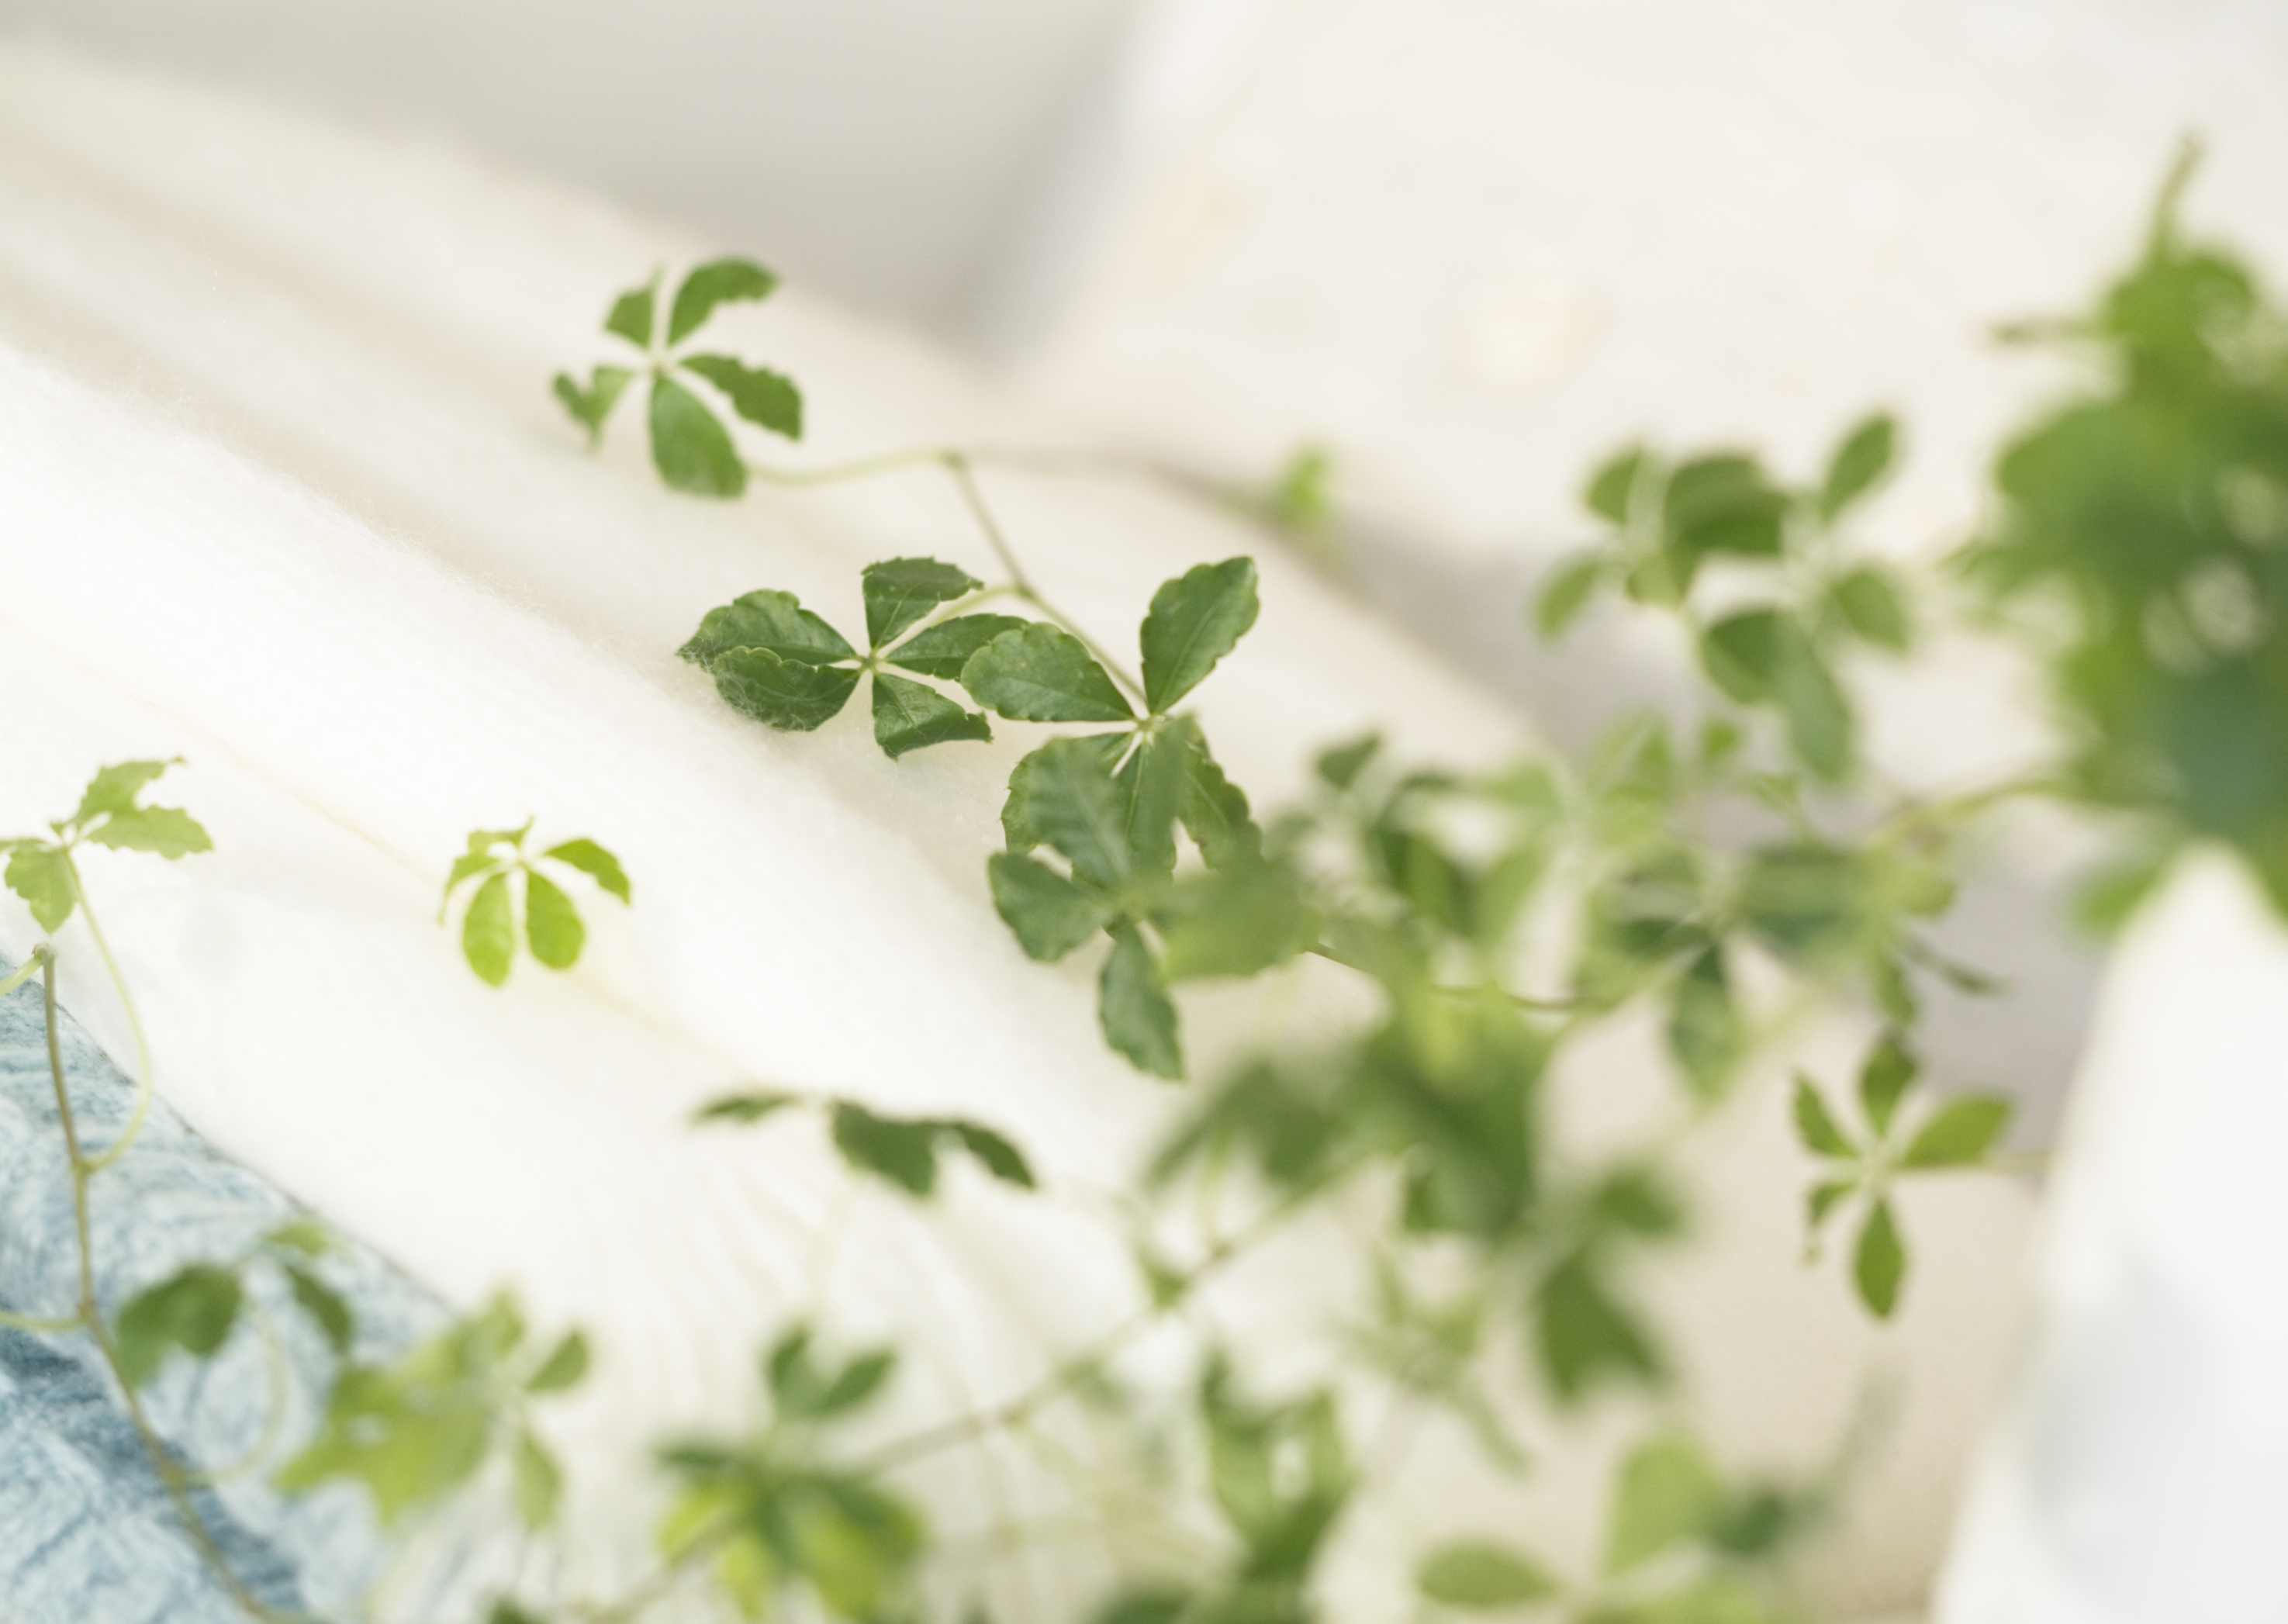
x=495 y=862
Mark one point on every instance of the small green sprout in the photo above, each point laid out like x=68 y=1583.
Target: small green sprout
x=552 y=924
x=40 y=871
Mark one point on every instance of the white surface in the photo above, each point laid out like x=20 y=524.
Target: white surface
x=287 y=496
x=2141 y=1476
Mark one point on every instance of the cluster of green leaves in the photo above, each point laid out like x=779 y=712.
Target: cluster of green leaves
x=775 y=661
x=40 y=869
x=1673 y=522
x=690 y=445
x=2141 y=542
x=1959 y=1133
x=417 y=1429
x=1682 y=1546
x=902 y=1150
x=497 y=858
x=1281 y=1474
x=194 y=1310
x=775 y=1520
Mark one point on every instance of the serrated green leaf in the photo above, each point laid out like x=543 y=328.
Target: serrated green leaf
x=942 y=649
x=597 y=864
x=1214 y=810
x=1585 y=1336
x=1666 y=1495
x=904 y=1153
x=1049 y=915
x=900 y=592
x=772 y=619
x=488 y=932
x=909 y=716
x=552 y=924
x=1889 y=1069
x=1341 y=766
x=325 y=1307
x=1133 y=1008
x=1861 y=458
x=1819 y=720
x=1042 y=673
x=1879 y=1261
x=1566 y=592
x=194 y=1309
x=1606 y=494
x=744 y=1107
x=786 y=694
x=1071 y=803
x=1741 y=654
x=689 y=445
x=1871 y=605
x=634 y=316
x=564 y=1367
x=39 y=872
x=170 y=832
x=540 y=1484
x=1151 y=784
x=1482 y=1576
x=1959 y=1133
x=1017 y=825
x=766 y=398
x=590 y=406
x=719 y=281
x=1815 y=1127
x=113 y=789
x=996 y=1154
x=1193 y=621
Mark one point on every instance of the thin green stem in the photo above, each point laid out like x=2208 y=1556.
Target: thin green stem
x=135 y=1120
x=22 y=973
x=281 y=1396
x=860 y=468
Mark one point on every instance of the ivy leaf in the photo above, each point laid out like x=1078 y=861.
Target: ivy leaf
x=1072 y=805
x=1815 y=1127
x=597 y=864
x=1151 y=791
x=772 y=619
x=1587 y=1338
x=690 y=447
x=192 y=1310
x=488 y=932
x=1049 y=913
x=1133 y=1008
x=538 y=1483
x=1213 y=809
x=167 y=830
x=900 y=592
x=1889 y=1069
x=1193 y=621
x=1871 y=606
x=904 y=1153
x=325 y=1307
x=113 y=789
x=1959 y=1133
x=565 y=1365
x=786 y=694
x=941 y=650
x=1607 y=495
x=1023 y=833
x=591 y=406
x=552 y=924
x=1863 y=458
x=1666 y=1493
x=1880 y=1262
x=766 y=398
x=909 y=716
x=744 y=1107
x=993 y=1152
x=1479 y=1576
x=1042 y=673
x=634 y=314
x=38 y=873
x=1566 y=592
x=719 y=281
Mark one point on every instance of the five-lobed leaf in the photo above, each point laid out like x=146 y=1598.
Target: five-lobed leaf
x=719 y=281
x=1193 y=621
x=689 y=445
x=1042 y=673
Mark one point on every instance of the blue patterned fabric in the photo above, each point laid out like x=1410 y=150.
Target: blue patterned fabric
x=88 y=1534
